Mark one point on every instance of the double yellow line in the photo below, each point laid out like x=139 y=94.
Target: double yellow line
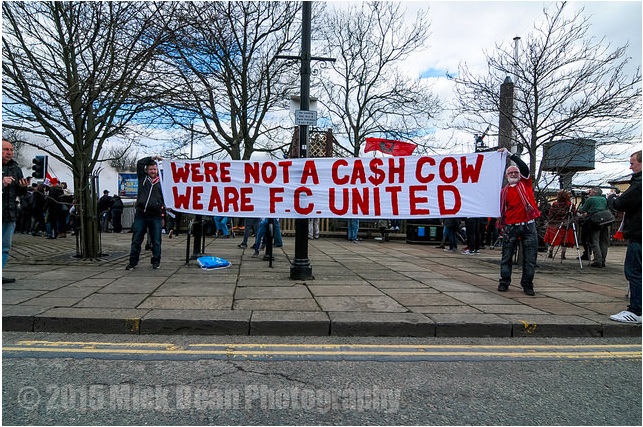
x=354 y=352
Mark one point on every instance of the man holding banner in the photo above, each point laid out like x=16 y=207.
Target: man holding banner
x=518 y=211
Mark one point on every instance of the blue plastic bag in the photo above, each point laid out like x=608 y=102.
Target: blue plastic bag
x=212 y=263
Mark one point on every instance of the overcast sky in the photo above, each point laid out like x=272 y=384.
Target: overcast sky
x=462 y=30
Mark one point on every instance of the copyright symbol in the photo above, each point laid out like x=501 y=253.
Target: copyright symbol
x=28 y=397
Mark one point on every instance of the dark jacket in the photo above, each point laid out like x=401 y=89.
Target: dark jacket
x=149 y=201
x=117 y=203
x=12 y=191
x=630 y=203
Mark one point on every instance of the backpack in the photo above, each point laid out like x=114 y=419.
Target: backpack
x=602 y=218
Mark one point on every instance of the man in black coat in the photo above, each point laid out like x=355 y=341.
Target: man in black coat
x=149 y=209
x=630 y=203
x=14 y=185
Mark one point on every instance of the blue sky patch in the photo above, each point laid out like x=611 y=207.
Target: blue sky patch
x=435 y=72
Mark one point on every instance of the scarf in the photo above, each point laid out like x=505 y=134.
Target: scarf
x=523 y=192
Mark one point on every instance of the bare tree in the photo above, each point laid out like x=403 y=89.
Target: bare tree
x=368 y=94
x=74 y=75
x=568 y=85
x=223 y=72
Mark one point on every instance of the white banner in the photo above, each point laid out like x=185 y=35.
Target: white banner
x=466 y=185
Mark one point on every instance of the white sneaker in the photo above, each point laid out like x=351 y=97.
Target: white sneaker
x=626 y=317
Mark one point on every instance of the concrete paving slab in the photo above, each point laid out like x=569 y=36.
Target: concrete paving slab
x=282 y=304
x=194 y=303
x=342 y=290
x=285 y=292
x=171 y=288
x=17 y=296
x=407 y=299
x=112 y=301
x=360 y=303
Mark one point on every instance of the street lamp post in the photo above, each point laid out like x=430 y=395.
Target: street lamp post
x=301 y=268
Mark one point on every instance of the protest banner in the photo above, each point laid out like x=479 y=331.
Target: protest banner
x=466 y=185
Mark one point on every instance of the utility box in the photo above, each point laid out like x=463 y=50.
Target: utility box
x=423 y=231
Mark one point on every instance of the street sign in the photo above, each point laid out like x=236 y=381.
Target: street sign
x=305 y=118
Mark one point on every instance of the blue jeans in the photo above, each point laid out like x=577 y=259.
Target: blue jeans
x=222 y=224
x=7 y=235
x=263 y=227
x=353 y=226
x=529 y=236
x=249 y=223
x=453 y=241
x=632 y=269
x=140 y=226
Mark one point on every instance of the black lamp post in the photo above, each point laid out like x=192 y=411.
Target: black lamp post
x=301 y=268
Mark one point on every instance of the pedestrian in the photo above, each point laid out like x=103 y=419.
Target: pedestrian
x=25 y=213
x=39 y=210
x=172 y=223
x=117 y=213
x=221 y=222
x=14 y=185
x=66 y=200
x=630 y=202
x=473 y=236
x=248 y=224
x=149 y=210
x=559 y=229
x=313 y=228
x=52 y=206
x=452 y=225
x=353 y=228
x=261 y=234
x=104 y=205
x=518 y=213
x=599 y=235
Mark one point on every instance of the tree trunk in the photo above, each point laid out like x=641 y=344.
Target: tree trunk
x=87 y=206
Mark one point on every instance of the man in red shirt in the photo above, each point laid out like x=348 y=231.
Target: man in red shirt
x=518 y=211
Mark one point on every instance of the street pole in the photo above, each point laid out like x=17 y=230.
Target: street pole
x=301 y=268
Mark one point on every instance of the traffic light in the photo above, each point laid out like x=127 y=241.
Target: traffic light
x=39 y=167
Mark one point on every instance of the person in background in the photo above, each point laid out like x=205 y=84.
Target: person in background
x=313 y=228
x=104 y=205
x=630 y=202
x=599 y=237
x=559 y=219
x=66 y=200
x=14 y=185
x=248 y=224
x=117 y=213
x=451 y=225
x=38 y=210
x=221 y=223
x=518 y=213
x=353 y=228
x=149 y=210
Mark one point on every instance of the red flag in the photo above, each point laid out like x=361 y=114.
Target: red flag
x=50 y=180
x=394 y=148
